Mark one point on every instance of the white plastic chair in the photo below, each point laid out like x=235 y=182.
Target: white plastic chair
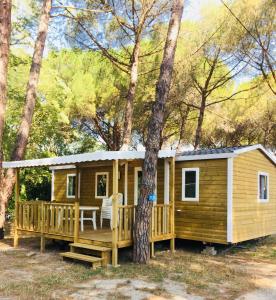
x=106 y=211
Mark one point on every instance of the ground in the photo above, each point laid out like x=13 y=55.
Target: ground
x=246 y=272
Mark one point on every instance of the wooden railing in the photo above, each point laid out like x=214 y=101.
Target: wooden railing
x=126 y=215
x=29 y=215
x=46 y=217
x=62 y=219
x=161 y=222
x=59 y=219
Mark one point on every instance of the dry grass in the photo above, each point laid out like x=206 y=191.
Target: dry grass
x=224 y=276
x=261 y=250
x=38 y=275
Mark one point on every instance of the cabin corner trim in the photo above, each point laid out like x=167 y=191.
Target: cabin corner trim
x=53 y=186
x=230 y=199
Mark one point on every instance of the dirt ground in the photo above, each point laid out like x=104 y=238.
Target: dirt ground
x=245 y=272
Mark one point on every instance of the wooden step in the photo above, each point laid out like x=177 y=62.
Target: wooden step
x=96 y=261
x=91 y=247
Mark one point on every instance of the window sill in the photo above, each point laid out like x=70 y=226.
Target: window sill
x=191 y=199
x=101 y=197
x=263 y=200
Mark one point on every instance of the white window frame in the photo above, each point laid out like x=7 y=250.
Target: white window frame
x=96 y=185
x=67 y=186
x=196 y=198
x=258 y=181
x=136 y=170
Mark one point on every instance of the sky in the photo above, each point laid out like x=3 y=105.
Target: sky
x=192 y=12
x=193 y=8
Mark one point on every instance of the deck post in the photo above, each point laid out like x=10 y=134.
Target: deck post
x=172 y=184
x=126 y=184
x=17 y=198
x=77 y=207
x=115 y=214
x=42 y=227
x=152 y=250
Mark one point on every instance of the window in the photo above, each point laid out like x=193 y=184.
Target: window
x=101 y=185
x=263 y=186
x=190 y=184
x=71 y=185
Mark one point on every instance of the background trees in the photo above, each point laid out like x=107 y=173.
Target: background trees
x=122 y=26
x=83 y=92
x=23 y=132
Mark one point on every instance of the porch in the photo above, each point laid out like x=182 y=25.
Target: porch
x=61 y=219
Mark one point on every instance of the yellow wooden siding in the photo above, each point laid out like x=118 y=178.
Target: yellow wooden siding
x=60 y=185
x=87 y=179
x=205 y=220
x=252 y=219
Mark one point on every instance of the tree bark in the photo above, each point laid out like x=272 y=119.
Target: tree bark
x=8 y=181
x=5 y=34
x=141 y=253
x=200 y=122
x=130 y=96
x=183 y=127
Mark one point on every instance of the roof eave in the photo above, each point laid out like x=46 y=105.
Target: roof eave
x=85 y=157
x=257 y=147
x=204 y=156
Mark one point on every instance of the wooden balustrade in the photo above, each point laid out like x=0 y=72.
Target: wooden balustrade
x=126 y=214
x=161 y=221
x=62 y=220
x=59 y=219
x=28 y=215
x=46 y=217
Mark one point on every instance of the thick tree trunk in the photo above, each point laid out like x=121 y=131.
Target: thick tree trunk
x=130 y=96
x=24 y=130
x=5 y=33
x=200 y=122
x=141 y=253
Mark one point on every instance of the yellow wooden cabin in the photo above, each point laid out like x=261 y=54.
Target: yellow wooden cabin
x=234 y=195
x=225 y=196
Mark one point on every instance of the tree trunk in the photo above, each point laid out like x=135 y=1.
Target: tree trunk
x=141 y=253
x=26 y=121
x=200 y=122
x=183 y=127
x=5 y=33
x=130 y=96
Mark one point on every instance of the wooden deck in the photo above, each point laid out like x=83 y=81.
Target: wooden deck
x=61 y=221
x=100 y=237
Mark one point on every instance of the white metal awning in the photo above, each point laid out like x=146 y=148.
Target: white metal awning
x=85 y=157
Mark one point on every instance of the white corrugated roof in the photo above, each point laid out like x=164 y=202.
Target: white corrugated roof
x=124 y=155
x=85 y=157
x=218 y=153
